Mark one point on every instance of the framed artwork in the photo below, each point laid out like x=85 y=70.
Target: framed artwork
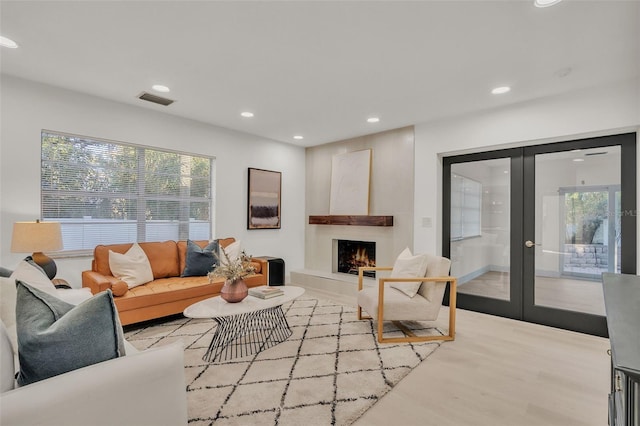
x=350 y=174
x=264 y=199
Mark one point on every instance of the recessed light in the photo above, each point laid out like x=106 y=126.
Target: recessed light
x=577 y=160
x=246 y=114
x=160 y=88
x=373 y=119
x=298 y=137
x=500 y=90
x=545 y=3
x=7 y=42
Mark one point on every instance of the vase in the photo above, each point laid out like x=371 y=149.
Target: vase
x=234 y=291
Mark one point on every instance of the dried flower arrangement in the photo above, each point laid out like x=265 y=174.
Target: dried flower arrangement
x=233 y=269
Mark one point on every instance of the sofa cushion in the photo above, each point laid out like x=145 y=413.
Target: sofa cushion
x=132 y=267
x=200 y=260
x=397 y=306
x=224 y=242
x=163 y=258
x=169 y=290
x=55 y=337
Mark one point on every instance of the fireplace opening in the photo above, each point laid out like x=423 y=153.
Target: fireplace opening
x=354 y=254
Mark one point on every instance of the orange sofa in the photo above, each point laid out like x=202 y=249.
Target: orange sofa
x=168 y=293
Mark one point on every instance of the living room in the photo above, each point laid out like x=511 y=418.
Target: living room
x=31 y=104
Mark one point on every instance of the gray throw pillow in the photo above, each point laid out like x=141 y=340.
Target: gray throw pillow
x=55 y=337
x=200 y=261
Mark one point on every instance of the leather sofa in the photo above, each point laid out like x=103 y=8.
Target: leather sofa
x=168 y=293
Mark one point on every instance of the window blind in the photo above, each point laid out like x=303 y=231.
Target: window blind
x=466 y=207
x=105 y=192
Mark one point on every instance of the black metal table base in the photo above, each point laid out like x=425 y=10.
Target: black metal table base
x=247 y=334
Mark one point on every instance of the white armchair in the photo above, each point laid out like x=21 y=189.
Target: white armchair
x=385 y=302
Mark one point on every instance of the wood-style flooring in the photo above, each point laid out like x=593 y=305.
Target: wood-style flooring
x=500 y=371
x=563 y=293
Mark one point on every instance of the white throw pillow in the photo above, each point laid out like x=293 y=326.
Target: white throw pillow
x=74 y=296
x=409 y=266
x=232 y=250
x=27 y=273
x=133 y=267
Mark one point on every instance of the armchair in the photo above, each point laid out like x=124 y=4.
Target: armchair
x=386 y=303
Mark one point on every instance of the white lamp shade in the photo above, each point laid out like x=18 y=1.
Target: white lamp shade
x=30 y=237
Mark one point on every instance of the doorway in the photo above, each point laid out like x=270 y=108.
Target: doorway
x=530 y=230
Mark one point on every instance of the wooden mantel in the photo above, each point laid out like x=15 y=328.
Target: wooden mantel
x=351 y=220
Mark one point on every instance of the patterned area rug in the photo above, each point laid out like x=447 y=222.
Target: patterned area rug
x=329 y=372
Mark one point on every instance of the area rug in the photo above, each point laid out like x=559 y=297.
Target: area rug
x=329 y=372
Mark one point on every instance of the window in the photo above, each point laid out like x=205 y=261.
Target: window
x=466 y=207
x=590 y=230
x=105 y=192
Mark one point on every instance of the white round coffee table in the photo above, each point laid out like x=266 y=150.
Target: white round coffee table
x=247 y=327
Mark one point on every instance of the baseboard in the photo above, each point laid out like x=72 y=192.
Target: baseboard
x=331 y=283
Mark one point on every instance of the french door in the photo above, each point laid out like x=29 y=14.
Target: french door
x=530 y=230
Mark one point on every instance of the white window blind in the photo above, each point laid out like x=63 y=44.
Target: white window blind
x=466 y=207
x=105 y=192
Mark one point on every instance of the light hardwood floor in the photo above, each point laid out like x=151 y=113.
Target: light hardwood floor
x=563 y=293
x=500 y=372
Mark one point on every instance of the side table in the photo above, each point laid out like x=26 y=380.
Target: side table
x=275 y=270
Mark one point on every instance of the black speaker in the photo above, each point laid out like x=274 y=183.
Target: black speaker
x=275 y=273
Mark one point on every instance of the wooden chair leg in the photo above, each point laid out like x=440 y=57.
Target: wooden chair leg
x=453 y=291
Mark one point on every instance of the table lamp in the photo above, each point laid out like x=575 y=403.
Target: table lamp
x=37 y=237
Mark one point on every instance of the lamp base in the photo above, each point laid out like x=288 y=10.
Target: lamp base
x=46 y=263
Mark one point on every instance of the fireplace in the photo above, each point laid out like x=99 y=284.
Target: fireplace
x=350 y=255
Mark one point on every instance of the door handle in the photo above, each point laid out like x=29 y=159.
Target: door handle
x=530 y=244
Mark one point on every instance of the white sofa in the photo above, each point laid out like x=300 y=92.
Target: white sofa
x=142 y=388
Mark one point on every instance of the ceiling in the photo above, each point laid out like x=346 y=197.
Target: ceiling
x=321 y=68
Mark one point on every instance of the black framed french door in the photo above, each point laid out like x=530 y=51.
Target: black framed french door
x=530 y=230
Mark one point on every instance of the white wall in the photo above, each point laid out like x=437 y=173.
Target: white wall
x=391 y=193
x=597 y=111
x=28 y=107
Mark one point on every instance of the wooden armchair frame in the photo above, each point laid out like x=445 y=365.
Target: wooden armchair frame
x=409 y=335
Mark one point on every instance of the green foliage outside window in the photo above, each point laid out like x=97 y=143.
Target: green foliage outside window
x=85 y=178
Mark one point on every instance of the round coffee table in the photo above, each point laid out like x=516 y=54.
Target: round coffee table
x=247 y=327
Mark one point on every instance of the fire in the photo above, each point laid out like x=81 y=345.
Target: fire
x=361 y=258
x=352 y=255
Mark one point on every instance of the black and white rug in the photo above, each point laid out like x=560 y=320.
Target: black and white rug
x=329 y=372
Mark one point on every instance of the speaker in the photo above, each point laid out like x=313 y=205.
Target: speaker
x=275 y=271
